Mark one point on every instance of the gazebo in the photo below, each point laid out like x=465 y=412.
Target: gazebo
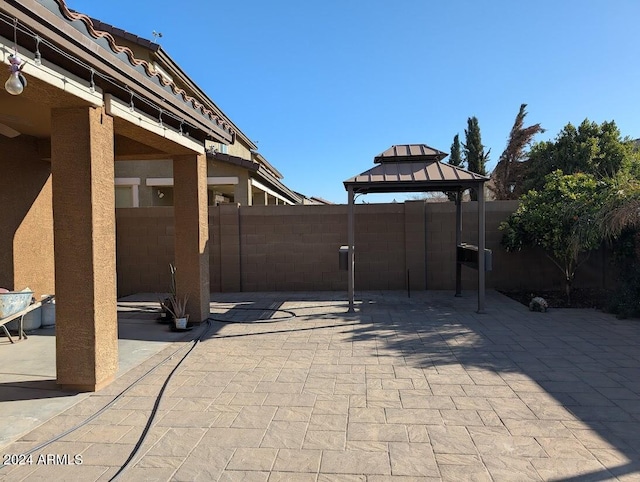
x=418 y=168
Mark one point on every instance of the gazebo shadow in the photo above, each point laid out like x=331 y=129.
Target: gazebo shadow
x=564 y=365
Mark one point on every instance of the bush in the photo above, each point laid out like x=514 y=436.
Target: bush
x=625 y=299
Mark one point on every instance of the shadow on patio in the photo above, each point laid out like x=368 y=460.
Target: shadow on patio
x=565 y=374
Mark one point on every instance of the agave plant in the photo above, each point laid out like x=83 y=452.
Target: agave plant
x=177 y=305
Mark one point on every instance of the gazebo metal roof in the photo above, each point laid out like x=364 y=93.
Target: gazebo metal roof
x=418 y=168
x=413 y=168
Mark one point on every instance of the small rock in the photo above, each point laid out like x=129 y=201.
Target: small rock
x=538 y=304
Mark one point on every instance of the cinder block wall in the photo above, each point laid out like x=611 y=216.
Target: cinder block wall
x=144 y=249
x=277 y=248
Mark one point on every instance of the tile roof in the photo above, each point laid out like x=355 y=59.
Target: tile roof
x=96 y=33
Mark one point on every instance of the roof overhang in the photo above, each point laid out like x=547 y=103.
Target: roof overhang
x=70 y=41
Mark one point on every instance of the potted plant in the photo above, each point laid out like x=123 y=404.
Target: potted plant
x=177 y=306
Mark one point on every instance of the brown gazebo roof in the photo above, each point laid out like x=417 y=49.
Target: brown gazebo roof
x=413 y=168
x=409 y=152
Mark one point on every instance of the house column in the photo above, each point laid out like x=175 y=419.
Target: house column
x=192 y=233
x=82 y=166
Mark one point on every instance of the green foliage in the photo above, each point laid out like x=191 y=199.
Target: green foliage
x=624 y=301
x=561 y=219
x=590 y=148
x=620 y=223
x=455 y=158
x=474 y=154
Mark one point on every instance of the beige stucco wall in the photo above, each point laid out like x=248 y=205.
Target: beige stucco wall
x=26 y=223
x=265 y=248
x=240 y=149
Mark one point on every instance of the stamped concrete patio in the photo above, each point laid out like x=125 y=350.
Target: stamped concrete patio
x=405 y=389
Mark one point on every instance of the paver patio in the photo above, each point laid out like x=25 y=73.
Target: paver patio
x=418 y=388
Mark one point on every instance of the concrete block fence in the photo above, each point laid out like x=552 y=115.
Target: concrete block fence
x=289 y=248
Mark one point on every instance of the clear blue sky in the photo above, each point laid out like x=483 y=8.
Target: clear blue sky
x=322 y=86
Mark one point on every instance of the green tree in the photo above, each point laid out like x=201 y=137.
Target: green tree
x=621 y=211
x=474 y=154
x=619 y=221
x=508 y=176
x=455 y=159
x=590 y=148
x=561 y=218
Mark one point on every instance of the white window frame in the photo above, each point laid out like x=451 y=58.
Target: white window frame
x=211 y=181
x=134 y=184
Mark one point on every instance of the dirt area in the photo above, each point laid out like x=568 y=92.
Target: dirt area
x=580 y=298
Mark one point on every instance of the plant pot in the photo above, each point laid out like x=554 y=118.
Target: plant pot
x=181 y=323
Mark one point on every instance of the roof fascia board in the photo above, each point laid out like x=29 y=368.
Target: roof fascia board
x=268 y=165
x=117 y=108
x=270 y=191
x=53 y=75
x=276 y=184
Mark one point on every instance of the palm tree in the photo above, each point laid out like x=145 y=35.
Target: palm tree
x=510 y=170
x=622 y=211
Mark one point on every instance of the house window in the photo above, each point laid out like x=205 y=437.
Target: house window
x=127 y=192
x=217 y=195
x=223 y=148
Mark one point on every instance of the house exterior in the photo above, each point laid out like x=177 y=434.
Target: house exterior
x=89 y=104
x=236 y=172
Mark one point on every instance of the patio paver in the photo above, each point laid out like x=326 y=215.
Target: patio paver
x=405 y=389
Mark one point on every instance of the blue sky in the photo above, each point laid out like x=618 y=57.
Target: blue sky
x=322 y=86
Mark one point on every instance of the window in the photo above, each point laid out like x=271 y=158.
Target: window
x=127 y=195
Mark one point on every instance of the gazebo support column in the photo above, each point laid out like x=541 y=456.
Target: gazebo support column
x=458 y=241
x=192 y=233
x=481 y=246
x=351 y=241
x=82 y=165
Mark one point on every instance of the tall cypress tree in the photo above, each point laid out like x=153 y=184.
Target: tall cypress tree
x=455 y=159
x=474 y=154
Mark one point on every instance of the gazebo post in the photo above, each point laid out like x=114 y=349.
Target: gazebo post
x=481 y=245
x=351 y=240
x=458 y=241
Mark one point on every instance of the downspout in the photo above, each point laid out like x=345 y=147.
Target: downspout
x=240 y=247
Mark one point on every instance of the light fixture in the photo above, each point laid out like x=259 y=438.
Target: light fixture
x=16 y=82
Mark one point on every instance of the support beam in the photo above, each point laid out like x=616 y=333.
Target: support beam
x=82 y=166
x=458 y=241
x=192 y=233
x=481 y=246
x=351 y=240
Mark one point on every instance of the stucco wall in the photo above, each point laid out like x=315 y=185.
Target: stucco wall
x=26 y=223
x=265 y=248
